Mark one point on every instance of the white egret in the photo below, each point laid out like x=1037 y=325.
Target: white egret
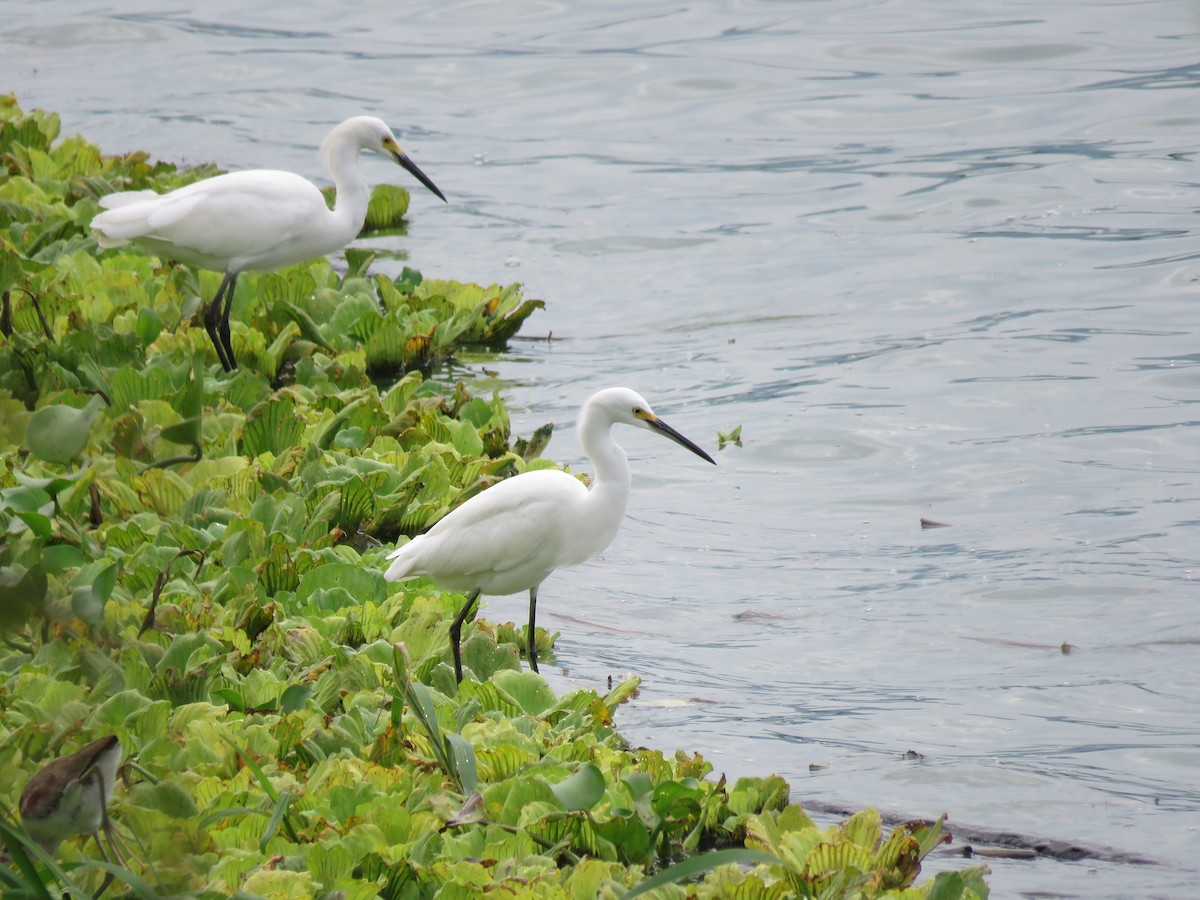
x=509 y=538
x=70 y=795
x=257 y=220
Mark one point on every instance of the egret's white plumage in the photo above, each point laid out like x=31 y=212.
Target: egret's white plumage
x=257 y=220
x=513 y=535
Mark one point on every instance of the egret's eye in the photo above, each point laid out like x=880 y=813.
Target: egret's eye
x=638 y=412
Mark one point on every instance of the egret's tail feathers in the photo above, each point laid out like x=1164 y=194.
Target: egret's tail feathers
x=120 y=225
x=400 y=570
x=402 y=567
x=124 y=198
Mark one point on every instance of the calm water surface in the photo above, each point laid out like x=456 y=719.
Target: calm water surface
x=937 y=260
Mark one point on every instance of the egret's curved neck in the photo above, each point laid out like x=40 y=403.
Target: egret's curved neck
x=340 y=153
x=612 y=481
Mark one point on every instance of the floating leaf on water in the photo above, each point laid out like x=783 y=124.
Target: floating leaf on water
x=386 y=208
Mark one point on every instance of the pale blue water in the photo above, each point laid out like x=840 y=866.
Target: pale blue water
x=938 y=260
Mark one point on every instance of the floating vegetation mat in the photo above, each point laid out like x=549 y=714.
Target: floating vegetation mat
x=191 y=560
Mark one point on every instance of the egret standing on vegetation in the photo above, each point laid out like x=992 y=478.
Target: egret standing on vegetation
x=513 y=535
x=258 y=220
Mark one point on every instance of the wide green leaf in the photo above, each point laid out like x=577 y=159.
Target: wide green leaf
x=59 y=433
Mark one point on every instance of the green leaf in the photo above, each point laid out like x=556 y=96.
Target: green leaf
x=294 y=698
x=52 y=486
x=462 y=757
x=583 y=790
x=58 y=558
x=191 y=407
x=149 y=326
x=167 y=797
x=87 y=601
x=361 y=583
x=272 y=427
x=11 y=271
x=37 y=522
x=59 y=433
x=386 y=208
x=698 y=865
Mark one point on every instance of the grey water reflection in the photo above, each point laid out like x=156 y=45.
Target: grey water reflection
x=933 y=259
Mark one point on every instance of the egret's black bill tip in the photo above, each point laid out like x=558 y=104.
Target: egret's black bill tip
x=667 y=431
x=412 y=169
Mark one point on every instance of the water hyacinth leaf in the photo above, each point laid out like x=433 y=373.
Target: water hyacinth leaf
x=11 y=271
x=191 y=407
x=308 y=328
x=386 y=208
x=358 y=259
x=53 y=486
x=278 y=571
x=691 y=868
x=130 y=386
x=58 y=558
x=58 y=433
x=36 y=522
x=580 y=791
x=278 y=348
x=294 y=698
x=87 y=600
x=148 y=327
x=365 y=585
x=326 y=438
x=167 y=796
x=272 y=427
x=527 y=689
x=292 y=285
x=357 y=503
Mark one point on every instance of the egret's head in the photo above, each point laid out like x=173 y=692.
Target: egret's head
x=630 y=408
x=371 y=133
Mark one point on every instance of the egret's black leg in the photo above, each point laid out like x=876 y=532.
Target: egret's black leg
x=532 y=629
x=456 y=633
x=212 y=319
x=225 y=321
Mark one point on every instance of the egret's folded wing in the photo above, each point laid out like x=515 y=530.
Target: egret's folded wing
x=515 y=524
x=238 y=216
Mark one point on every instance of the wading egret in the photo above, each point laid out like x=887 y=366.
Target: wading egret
x=69 y=796
x=258 y=220
x=509 y=538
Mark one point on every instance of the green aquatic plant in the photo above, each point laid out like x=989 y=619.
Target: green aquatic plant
x=193 y=561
